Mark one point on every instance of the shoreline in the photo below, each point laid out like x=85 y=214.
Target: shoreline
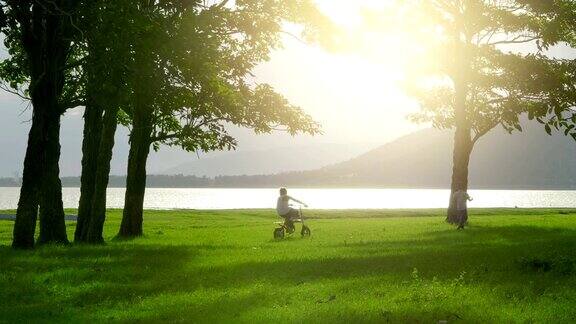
x=71 y=212
x=329 y=187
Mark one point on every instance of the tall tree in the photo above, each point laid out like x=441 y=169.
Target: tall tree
x=104 y=49
x=38 y=35
x=190 y=80
x=480 y=65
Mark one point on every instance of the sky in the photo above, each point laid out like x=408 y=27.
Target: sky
x=355 y=95
x=356 y=100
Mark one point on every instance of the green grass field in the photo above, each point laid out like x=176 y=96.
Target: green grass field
x=358 y=266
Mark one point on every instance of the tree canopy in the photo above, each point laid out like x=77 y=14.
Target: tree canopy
x=190 y=77
x=495 y=50
x=475 y=64
x=197 y=78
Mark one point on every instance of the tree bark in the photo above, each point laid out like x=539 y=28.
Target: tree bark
x=98 y=210
x=27 y=212
x=132 y=218
x=463 y=143
x=90 y=149
x=52 y=61
x=461 y=161
x=52 y=222
x=46 y=40
x=140 y=141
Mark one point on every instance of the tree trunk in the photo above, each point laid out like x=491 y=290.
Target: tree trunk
x=98 y=212
x=136 y=177
x=461 y=160
x=90 y=149
x=46 y=39
x=463 y=143
x=48 y=92
x=27 y=211
x=52 y=222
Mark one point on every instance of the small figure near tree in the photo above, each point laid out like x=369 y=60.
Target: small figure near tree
x=461 y=199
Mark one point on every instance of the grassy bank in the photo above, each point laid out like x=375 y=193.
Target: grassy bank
x=358 y=266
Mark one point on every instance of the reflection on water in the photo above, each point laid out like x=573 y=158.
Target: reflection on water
x=168 y=198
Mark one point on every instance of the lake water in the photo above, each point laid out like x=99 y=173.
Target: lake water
x=212 y=198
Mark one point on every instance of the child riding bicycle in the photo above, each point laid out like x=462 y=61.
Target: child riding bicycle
x=285 y=211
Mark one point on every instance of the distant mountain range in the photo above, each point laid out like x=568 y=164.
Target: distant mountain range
x=271 y=161
x=528 y=160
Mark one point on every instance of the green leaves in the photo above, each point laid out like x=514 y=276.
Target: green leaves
x=189 y=68
x=488 y=83
x=182 y=66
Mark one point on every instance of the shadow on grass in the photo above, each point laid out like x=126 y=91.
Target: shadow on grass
x=484 y=236
x=53 y=280
x=85 y=283
x=491 y=255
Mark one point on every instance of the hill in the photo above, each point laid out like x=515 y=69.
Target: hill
x=268 y=161
x=528 y=160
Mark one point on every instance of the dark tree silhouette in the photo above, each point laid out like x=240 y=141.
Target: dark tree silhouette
x=191 y=80
x=38 y=36
x=103 y=46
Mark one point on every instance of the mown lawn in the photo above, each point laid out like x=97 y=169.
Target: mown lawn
x=358 y=266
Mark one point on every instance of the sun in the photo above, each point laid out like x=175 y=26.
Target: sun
x=354 y=90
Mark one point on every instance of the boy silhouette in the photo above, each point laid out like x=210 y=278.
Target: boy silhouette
x=285 y=211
